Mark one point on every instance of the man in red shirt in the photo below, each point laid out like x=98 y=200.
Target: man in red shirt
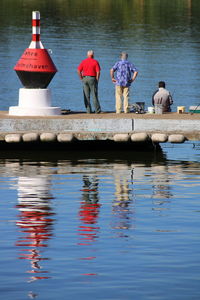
x=89 y=72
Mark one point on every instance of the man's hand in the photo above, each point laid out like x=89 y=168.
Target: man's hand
x=80 y=74
x=134 y=76
x=112 y=76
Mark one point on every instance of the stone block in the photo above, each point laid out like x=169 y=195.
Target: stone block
x=159 y=138
x=121 y=137
x=176 y=138
x=65 y=137
x=13 y=138
x=48 y=137
x=30 y=137
x=139 y=137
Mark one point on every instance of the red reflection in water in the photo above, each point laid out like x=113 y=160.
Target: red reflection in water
x=89 y=274
x=88 y=258
x=88 y=215
x=35 y=222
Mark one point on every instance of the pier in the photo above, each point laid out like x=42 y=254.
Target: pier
x=36 y=124
x=108 y=129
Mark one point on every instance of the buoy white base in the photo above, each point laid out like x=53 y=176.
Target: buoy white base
x=34 y=102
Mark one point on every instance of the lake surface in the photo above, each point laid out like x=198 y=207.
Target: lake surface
x=161 y=37
x=114 y=225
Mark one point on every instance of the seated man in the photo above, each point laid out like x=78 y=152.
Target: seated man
x=162 y=96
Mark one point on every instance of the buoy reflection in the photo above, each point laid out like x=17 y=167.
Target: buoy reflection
x=35 y=222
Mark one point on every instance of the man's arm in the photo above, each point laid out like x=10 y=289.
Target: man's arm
x=153 y=102
x=134 y=75
x=112 y=75
x=98 y=76
x=80 y=74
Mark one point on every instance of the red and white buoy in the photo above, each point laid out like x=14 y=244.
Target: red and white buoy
x=35 y=70
x=36 y=43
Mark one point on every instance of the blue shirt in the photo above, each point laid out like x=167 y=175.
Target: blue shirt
x=124 y=70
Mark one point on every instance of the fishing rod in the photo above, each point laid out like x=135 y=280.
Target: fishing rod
x=195 y=109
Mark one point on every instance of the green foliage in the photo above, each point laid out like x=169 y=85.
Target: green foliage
x=119 y=12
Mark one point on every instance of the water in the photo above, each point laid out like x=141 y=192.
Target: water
x=162 y=39
x=121 y=226
x=102 y=225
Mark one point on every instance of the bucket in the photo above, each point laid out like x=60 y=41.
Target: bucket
x=151 y=110
x=158 y=109
x=180 y=109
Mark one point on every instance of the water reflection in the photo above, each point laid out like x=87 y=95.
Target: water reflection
x=90 y=189
x=122 y=208
x=102 y=197
x=34 y=222
x=88 y=215
x=162 y=190
x=161 y=187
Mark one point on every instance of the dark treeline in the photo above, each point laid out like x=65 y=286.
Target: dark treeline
x=119 y=12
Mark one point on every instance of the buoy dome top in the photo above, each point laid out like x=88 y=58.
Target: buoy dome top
x=35 y=14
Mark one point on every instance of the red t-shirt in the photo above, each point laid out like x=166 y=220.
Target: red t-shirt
x=89 y=67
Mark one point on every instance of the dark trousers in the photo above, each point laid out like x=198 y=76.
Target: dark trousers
x=90 y=87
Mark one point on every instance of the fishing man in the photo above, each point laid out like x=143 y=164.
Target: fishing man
x=162 y=96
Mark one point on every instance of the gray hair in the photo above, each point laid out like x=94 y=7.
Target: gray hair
x=124 y=55
x=90 y=53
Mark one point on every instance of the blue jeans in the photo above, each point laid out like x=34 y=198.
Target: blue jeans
x=90 y=86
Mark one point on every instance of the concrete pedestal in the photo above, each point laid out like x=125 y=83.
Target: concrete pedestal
x=34 y=102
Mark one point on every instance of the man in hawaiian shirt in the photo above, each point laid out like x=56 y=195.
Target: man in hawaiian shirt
x=126 y=73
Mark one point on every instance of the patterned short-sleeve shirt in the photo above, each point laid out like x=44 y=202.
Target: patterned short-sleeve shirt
x=124 y=70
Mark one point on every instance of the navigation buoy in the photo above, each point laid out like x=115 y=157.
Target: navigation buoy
x=35 y=70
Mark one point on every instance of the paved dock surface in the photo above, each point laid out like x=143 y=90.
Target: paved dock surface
x=106 y=125
x=109 y=115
